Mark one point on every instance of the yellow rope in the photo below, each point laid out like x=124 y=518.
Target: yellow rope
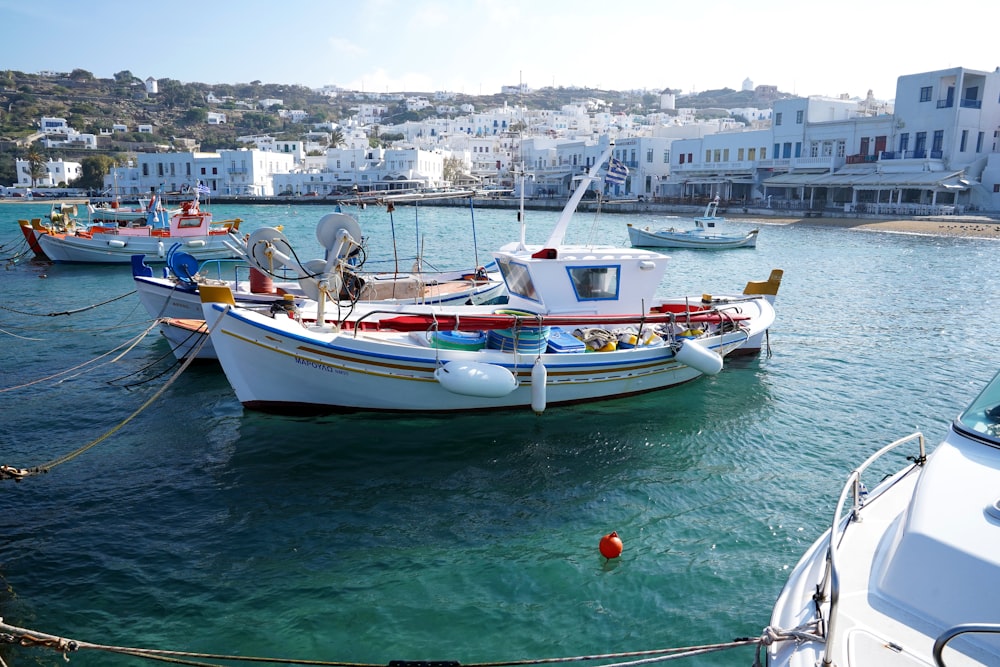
x=17 y=474
x=131 y=343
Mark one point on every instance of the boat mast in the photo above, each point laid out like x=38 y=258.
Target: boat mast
x=556 y=237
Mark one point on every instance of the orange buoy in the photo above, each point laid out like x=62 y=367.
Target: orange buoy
x=611 y=546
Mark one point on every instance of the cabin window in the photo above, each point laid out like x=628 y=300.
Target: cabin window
x=594 y=282
x=193 y=221
x=983 y=416
x=518 y=280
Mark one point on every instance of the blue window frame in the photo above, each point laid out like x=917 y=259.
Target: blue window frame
x=595 y=283
x=518 y=280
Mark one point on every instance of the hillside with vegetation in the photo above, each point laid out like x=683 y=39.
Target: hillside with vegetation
x=178 y=112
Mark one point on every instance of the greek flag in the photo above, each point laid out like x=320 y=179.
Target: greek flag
x=616 y=172
x=203 y=189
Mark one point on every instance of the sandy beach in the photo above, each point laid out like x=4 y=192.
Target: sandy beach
x=968 y=226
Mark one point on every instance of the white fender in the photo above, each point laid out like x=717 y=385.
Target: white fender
x=159 y=249
x=116 y=243
x=693 y=354
x=195 y=243
x=473 y=378
x=539 y=376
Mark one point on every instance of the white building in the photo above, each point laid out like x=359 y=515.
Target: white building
x=294 y=115
x=57 y=173
x=367 y=170
x=228 y=172
x=935 y=153
x=215 y=118
x=49 y=125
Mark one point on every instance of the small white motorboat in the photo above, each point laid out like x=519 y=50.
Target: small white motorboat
x=707 y=234
x=906 y=574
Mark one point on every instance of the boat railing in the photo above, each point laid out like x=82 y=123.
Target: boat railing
x=858 y=493
x=951 y=633
x=236 y=270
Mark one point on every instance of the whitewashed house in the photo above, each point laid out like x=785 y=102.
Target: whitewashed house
x=227 y=172
x=57 y=173
x=49 y=125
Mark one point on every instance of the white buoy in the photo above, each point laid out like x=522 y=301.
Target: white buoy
x=693 y=354
x=116 y=243
x=473 y=378
x=195 y=243
x=159 y=248
x=539 y=376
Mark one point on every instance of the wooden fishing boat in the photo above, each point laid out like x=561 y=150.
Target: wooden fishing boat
x=409 y=357
x=192 y=228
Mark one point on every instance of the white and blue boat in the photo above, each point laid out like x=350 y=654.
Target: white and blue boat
x=907 y=571
x=380 y=357
x=708 y=233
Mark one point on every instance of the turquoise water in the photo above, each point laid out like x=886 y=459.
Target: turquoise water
x=200 y=526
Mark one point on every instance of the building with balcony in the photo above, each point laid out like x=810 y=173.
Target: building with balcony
x=227 y=172
x=935 y=152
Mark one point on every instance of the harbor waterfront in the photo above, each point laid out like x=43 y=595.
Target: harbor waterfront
x=201 y=526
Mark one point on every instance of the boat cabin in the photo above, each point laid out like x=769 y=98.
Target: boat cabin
x=581 y=279
x=188 y=221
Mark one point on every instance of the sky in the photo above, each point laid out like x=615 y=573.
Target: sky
x=476 y=46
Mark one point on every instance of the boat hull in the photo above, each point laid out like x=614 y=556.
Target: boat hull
x=31 y=236
x=277 y=365
x=105 y=248
x=691 y=239
x=187 y=337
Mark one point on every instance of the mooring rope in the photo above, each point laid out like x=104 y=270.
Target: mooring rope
x=129 y=344
x=14 y=335
x=68 y=312
x=17 y=474
x=28 y=638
